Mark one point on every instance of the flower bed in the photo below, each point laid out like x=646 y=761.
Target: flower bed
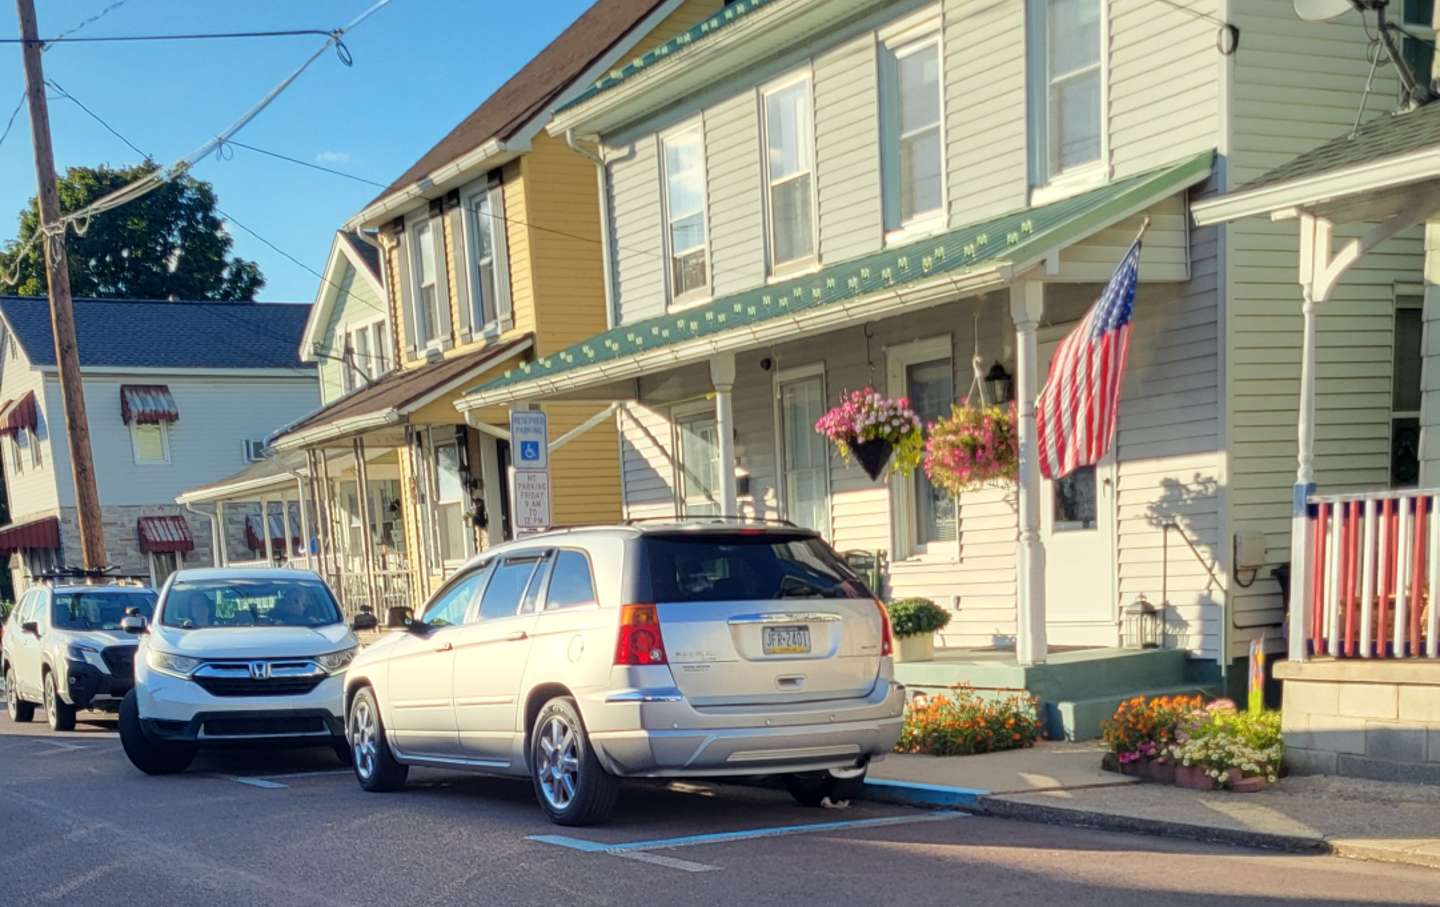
x=962 y=724
x=1179 y=739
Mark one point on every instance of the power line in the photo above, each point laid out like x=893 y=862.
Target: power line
x=195 y=36
x=302 y=163
x=96 y=117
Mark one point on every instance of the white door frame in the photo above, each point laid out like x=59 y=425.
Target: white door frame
x=782 y=377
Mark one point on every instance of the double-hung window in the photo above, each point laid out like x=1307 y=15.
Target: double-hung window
x=425 y=282
x=912 y=130
x=790 y=173
x=1065 y=86
x=450 y=503
x=804 y=452
x=1405 y=393
x=924 y=371
x=488 y=269
x=150 y=442
x=699 y=462
x=683 y=154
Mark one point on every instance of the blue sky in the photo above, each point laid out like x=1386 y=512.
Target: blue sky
x=420 y=66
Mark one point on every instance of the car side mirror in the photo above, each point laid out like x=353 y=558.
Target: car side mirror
x=133 y=624
x=31 y=627
x=363 y=622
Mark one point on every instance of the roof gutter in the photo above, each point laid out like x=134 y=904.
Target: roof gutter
x=330 y=430
x=215 y=531
x=602 y=179
x=491 y=153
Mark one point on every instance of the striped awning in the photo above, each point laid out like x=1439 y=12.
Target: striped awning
x=41 y=533
x=18 y=415
x=159 y=534
x=142 y=404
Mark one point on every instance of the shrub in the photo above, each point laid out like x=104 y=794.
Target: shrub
x=1145 y=728
x=916 y=616
x=1230 y=744
x=963 y=724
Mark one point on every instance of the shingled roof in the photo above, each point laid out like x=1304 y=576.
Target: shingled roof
x=364 y=251
x=151 y=333
x=1384 y=136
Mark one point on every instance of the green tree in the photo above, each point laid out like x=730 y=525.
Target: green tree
x=168 y=243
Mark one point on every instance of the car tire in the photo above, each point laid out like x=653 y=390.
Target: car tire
x=376 y=767
x=814 y=788
x=572 y=786
x=59 y=713
x=153 y=757
x=18 y=709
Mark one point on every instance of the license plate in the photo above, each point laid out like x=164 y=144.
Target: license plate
x=786 y=640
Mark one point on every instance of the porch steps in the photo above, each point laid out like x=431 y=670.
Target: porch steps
x=1080 y=719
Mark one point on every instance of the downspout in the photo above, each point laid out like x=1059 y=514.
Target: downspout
x=603 y=183
x=216 y=535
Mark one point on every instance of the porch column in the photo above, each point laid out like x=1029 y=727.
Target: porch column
x=222 y=552
x=265 y=530
x=304 y=522
x=286 y=540
x=362 y=485
x=1027 y=305
x=1300 y=539
x=722 y=376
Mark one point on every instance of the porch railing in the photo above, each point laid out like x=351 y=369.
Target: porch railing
x=1374 y=571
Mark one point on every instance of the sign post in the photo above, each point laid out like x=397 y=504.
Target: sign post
x=530 y=470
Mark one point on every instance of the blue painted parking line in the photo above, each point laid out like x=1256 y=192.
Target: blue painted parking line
x=585 y=846
x=915 y=793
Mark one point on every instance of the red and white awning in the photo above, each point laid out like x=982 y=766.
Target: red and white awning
x=147 y=404
x=42 y=533
x=19 y=415
x=162 y=534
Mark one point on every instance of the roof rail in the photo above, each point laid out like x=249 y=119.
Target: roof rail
x=712 y=519
x=103 y=574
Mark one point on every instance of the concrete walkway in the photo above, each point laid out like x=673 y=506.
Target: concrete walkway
x=1061 y=783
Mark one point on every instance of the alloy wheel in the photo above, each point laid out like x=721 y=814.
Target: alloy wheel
x=12 y=696
x=559 y=764
x=363 y=734
x=50 y=699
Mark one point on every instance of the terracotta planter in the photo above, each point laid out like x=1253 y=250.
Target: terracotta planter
x=918 y=647
x=1249 y=784
x=872 y=455
x=1150 y=770
x=1193 y=777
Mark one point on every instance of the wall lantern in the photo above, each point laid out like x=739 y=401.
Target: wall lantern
x=999 y=386
x=1141 y=625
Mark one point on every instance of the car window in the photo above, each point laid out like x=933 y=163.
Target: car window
x=531 y=603
x=449 y=607
x=26 y=606
x=502 y=596
x=570 y=582
x=246 y=602
x=712 y=567
x=98 y=610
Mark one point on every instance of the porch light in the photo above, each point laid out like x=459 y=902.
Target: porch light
x=1141 y=625
x=999 y=384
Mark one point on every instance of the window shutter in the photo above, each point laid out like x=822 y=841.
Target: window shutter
x=504 y=312
x=407 y=298
x=456 y=215
x=443 y=249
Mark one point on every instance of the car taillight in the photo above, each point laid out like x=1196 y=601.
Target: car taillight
x=640 y=642
x=887 y=643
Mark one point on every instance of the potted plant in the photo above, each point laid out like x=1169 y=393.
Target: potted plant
x=973 y=447
x=1139 y=735
x=1225 y=748
x=875 y=430
x=914 y=622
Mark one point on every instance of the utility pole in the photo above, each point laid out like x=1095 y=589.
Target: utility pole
x=62 y=308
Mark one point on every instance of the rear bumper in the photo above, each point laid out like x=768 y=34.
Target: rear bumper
x=657 y=734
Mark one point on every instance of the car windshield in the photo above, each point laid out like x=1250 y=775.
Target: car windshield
x=196 y=604
x=99 y=610
x=711 y=567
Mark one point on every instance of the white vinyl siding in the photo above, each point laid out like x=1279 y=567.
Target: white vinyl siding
x=683 y=157
x=847 y=155
x=912 y=131
x=734 y=165
x=790 y=173
x=637 y=224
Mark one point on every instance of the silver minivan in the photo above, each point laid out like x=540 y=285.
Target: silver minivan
x=675 y=650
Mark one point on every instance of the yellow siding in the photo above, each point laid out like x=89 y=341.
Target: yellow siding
x=518 y=237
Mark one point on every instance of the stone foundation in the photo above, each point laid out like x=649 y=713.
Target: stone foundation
x=1375 y=719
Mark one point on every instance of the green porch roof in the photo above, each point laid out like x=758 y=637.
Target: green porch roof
x=1387 y=135
x=1015 y=239
x=716 y=22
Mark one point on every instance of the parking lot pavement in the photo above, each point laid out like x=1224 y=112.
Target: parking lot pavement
x=78 y=823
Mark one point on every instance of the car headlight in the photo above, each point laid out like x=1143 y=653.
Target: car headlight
x=167 y=663
x=88 y=654
x=335 y=662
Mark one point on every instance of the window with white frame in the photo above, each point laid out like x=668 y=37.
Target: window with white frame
x=450 y=503
x=790 y=172
x=365 y=350
x=912 y=128
x=698 y=464
x=1405 y=393
x=487 y=264
x=37 y=459
x=150 y=442
x=425 y=267
x=804 y=453
x=1065 y=86
x=17 y=458
x=683 y=155
x=924 y=371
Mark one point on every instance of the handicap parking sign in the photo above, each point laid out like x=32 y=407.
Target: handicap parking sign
x=530 y=438
x=530 y=451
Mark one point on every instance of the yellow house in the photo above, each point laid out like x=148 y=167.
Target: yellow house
x=490 y=253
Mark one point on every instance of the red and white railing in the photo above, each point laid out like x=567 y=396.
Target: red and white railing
x=1374 y=575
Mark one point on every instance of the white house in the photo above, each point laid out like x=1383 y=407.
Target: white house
x=177 y=394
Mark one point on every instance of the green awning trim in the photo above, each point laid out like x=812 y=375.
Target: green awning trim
x=707 y=27
x=1017 y=238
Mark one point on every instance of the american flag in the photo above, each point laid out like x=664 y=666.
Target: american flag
x=1079 y=405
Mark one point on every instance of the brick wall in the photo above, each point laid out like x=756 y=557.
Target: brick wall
x=1368 y=719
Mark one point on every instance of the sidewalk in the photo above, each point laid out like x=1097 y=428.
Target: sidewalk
x=1061 y=783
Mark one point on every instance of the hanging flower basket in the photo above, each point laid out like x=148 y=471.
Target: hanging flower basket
x=973 y=447
x=875 y=431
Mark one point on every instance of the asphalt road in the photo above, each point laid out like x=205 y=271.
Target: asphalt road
x=78 y=824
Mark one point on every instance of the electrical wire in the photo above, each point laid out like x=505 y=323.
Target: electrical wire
x=196 y=36
x=96 y=117
x=1198 y=14
x=295 y=160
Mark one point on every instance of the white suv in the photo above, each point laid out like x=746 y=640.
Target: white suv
x=63 y=647
x=236 y=657
x=662 y=651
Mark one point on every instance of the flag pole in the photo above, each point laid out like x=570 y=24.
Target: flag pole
x=1144 y=225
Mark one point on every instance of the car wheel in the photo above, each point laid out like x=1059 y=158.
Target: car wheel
x=58 y=712
x=19 y=710
x=375 y=765
x=814 y=788
x=571 y=785
x=153 y=757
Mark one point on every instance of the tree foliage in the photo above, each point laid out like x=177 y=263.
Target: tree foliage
x=168 y=243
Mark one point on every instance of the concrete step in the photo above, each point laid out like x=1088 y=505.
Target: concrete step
x=1080 y=719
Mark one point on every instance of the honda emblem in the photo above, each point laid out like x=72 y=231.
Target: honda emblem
x=259 y=670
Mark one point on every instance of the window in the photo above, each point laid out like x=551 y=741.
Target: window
x=150 y=442
x=450 y=503
x=424 y=270
x=162 y=564
x=502 y=596
x=1076 y=506
x=101 y=609
x=244 y=602
x=449 y=606
x=570 y=582
x=17 y=459
x=925 y=372
x=912 y=149
x=1418 y=47
x=804 y=453
x=760 y=567
x=699 y=467
x=684 y=161
x=790 y=173
x=379 y=348
x=1405 y=394
x=1065 y=86
x=36 y=458
x=488 y=268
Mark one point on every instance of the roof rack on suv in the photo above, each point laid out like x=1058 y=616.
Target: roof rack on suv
x=84 y=574
x=767 y=521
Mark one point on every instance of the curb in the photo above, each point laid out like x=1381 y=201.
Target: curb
x=910 y=793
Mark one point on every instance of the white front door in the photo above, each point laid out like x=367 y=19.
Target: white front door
x=1077 y=526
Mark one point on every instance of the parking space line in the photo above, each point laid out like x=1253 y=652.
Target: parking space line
x=309 y=774
x=256 y=782
x=726 y=836
x=656 y=859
